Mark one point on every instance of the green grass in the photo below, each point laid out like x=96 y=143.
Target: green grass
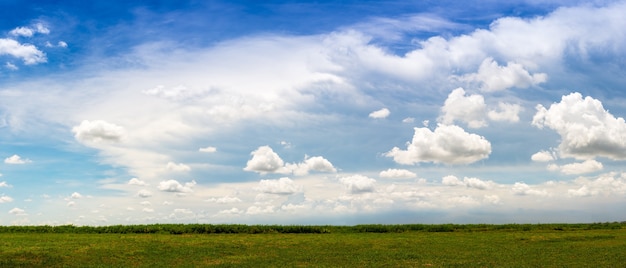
x=463 y=246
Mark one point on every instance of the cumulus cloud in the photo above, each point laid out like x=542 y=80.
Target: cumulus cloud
x=316 y=163
x=18 y=212
x=447 y=144
x=520 y=188
x=76 y=195
x=224 y=200
x=180 y=167
x=459 y=107
x=144 y=193
x=587 y=166
x=494 y=77
x=28 y=53
x=382 y=113
x=605 y=184
x=4 y=184
x=587 y=130
x=468 y=182
x=505 y=112
x=282 y=186
x=209 y=149
x=255 y=210
x=98 y=131
x=543 y=156
x=16 y=160
x=135 y=181
x=5 y=199
x=357 y=184
x=397 y=173
x=176 y=187
x=232 y=211
x=264 y=160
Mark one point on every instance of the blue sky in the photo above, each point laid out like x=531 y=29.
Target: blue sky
x=324 y=112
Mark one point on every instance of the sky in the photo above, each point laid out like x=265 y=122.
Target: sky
x=320 y=112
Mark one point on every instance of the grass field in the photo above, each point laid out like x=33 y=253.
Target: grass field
x=473 y=246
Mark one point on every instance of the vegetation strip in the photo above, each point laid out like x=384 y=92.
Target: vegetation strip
x=543 y=245
x=254 y=229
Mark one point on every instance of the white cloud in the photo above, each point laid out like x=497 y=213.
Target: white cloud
x=224 y=200
x=520 y=188
x=382 y=113
x=98 y=131
x=18 y=212
x=144 y=193
x=451 y=181
x=605 y=184
x=315 y=163
x=4 y=184
x=180 y=167
x=175 y=186
x=255 y=210
x=397 y=173
x=5 y=199
x=76 y=195
x=22 y=31
x=11 y=66
x=543 y=156
x=265 y=160
x=408 y=120
x=40 y=28
x=209 y=149
x=467 y=181
x=357 y=184
x=16 y=160
x=62 y=44
x=587 y=130
x=27 y=52
x=506 y=112
x=135 y=181
x=587 y=166
x=448 y=144
x=232 y=211
x=494 y=77
x=282 y=186
x=469 y=109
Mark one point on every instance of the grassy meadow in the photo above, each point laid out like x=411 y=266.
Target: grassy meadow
x=198 y=245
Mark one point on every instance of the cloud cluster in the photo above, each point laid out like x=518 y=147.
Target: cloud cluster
x=469 y=109
x=587 y=130
x=588 y=166
x=282 y=186
x=176 y=187
x=397 y=173
x=357 y=184
x=493 y=77
x=468 y=182
x=448 y=144
x=264 y=160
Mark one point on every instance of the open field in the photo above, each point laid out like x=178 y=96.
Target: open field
x=553 y=245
